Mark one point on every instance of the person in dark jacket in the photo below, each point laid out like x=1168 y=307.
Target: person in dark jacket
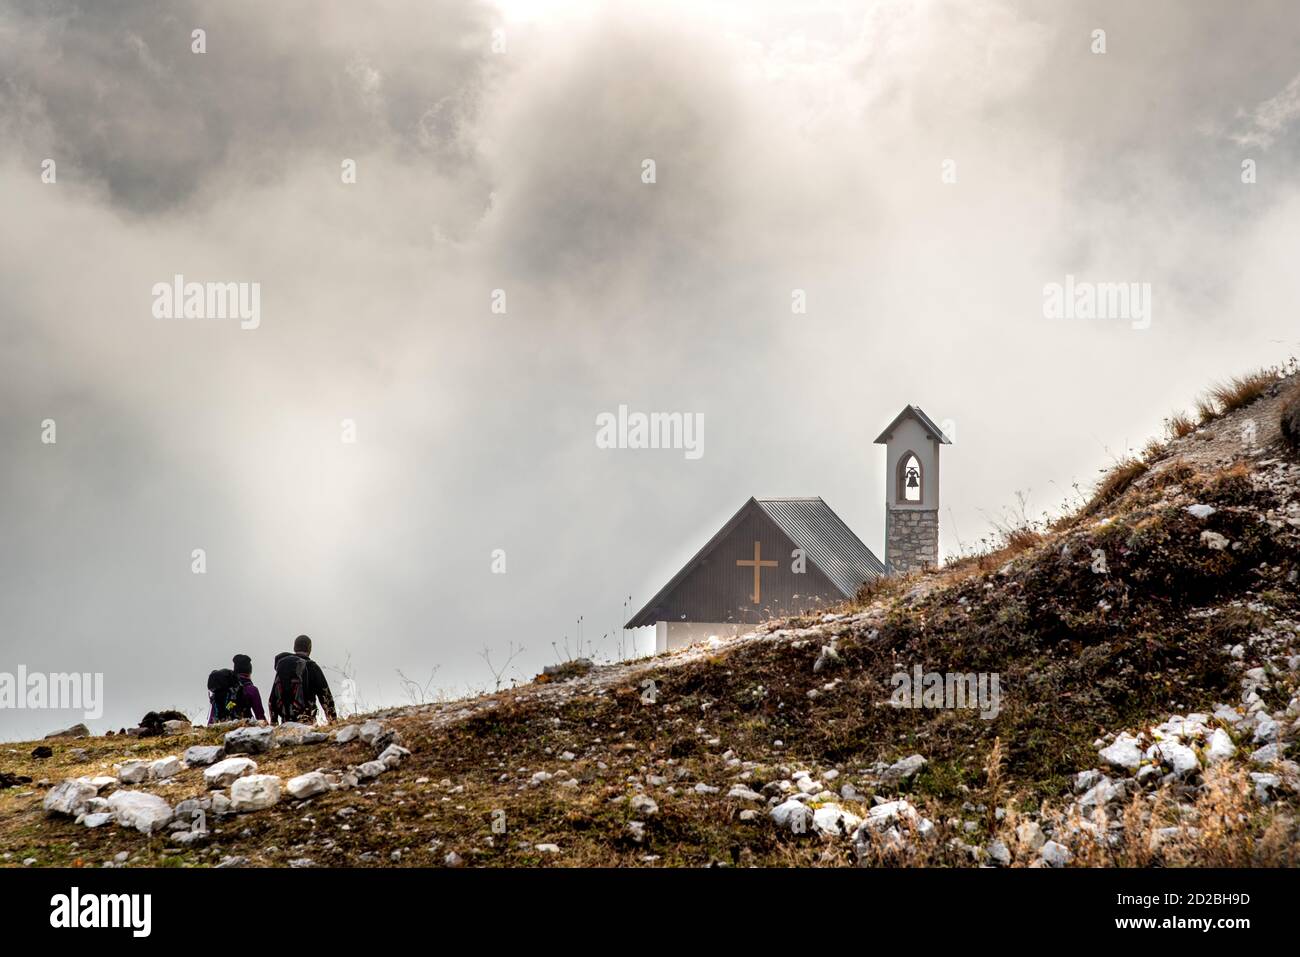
x=318 y=689
x=247 y=701
x=250 y=698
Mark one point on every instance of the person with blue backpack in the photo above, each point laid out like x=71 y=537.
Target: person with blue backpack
x=232 y=696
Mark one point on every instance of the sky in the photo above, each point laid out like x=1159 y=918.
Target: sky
x=500 y=273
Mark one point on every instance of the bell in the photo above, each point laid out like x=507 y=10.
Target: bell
x=911 y=478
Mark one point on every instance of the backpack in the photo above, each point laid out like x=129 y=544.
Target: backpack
x=225 y=693
x=289 y=691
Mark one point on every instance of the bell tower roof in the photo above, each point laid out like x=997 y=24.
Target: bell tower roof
x=916 y=413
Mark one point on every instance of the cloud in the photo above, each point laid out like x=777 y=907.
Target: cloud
x=794 y=149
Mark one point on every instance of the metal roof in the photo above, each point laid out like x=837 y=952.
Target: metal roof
x=826 y=540
x=921 y=417
x=809 y=523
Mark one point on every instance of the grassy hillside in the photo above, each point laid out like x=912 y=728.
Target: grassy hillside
x=1136 y=608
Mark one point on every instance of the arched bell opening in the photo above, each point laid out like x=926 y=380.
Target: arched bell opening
x=910 y=479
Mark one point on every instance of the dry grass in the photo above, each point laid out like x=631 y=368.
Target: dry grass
x=1180 y=425
x=1240 y=391
x=1114 y=484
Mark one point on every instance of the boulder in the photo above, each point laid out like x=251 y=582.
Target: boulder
x=1213 y=541
x=98 y=819
x=249 y=741
x=371 y=769
x=904 y=769
x=345 y=734
x=164 y=768
x=1054 y=855
x=889 y=813
x=76 y=731
x=1030 y=836
x=141 y=810
x=643 y=805
x=1086 y=781
x=1179 y=757
x=202 y=755
x=70 y=798
x=291 y=732
x=370 y=731
x=831 y=820
x=393 y=755
x=792 y=815
x=307 y=785
x=1220 y=748
x=176 y=726
x=133 y=772
x=1124 y=753
x=225 y=773
x=998 y=853
x=254 y=792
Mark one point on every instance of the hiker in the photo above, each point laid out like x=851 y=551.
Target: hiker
x=232 y=694
x=299 y=685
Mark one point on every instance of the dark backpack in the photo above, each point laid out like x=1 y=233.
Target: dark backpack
x=290 y=688
x=225 y=693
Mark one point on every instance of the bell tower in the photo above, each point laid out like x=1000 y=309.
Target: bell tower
x=911 y=444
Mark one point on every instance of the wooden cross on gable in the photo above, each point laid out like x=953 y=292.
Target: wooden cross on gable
x=758 y=565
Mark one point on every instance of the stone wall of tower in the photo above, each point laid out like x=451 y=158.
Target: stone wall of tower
x=911 y=539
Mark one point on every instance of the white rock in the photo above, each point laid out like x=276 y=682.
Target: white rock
x=1265 y=785
x=1221 y=747
x=1213 y=541
x=547 y=848
x=164 y=768
x=1201 y=511
x=1266 y=731
x=793 y=815
x=249 y=741
x=307 y=785
x=831 y=820
x=890 y=812
x=1030 y=836
x=97 y=820
x=393 y=755
x=371 y=769
x=703 y=788
x=346 y=734
x=1179 y=757
x=999 y=853
x=541 y=777
x=254 y=792
x=1266 y=755
x=904 y=769
x=202 y=755
x=1086 y=781
x=1054 y=855
x=133 y=772
x=289 y=733
x=370 y=731
x=1124 y=753
x=70 y=798
x=643 y=805
x=742 y=793
x=224 y=773
x=141 y=810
